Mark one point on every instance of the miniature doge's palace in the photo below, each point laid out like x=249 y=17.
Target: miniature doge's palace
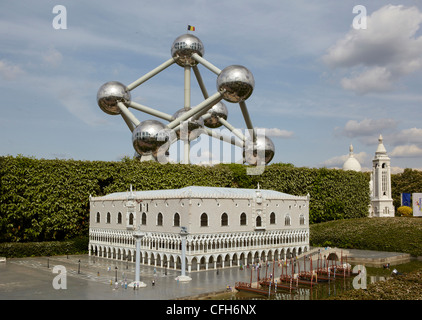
x=226 y=227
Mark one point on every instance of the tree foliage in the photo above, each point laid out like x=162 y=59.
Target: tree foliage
x=409 y=181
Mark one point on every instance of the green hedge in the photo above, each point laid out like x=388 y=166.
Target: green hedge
x=397 y=234
x=44 y=200
x=46 y=248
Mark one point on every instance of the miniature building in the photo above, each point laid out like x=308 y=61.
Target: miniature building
x=352 y=163
x=380 y=183
x=381 y=199
x=226 y=226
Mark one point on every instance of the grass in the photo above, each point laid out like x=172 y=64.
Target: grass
x=398 y=234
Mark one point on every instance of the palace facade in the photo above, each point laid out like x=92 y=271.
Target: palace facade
x=226 y=227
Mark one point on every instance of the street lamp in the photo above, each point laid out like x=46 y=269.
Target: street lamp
x=115 y=279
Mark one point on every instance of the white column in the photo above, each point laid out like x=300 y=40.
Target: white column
x=138 y=283
x=183 y=276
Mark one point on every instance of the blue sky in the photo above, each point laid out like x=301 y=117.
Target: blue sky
x=320 y=84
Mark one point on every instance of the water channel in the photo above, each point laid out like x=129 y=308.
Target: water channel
x=324 y=290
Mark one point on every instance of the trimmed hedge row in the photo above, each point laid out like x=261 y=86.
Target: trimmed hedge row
x=46 y=248
x=44 y=200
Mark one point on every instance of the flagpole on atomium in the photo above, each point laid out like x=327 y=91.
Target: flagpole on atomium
x=151 y=138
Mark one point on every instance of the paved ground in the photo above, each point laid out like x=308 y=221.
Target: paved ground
x=33 y=278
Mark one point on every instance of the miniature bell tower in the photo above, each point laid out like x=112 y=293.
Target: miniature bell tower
x=381 y=201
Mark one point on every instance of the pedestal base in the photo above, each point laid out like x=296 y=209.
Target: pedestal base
x=137 y=284
x=183 y=278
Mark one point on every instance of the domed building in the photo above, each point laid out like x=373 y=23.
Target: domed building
x=380 y=183
x=352 y=163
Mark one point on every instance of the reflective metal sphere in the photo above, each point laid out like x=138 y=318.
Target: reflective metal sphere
x=238 y=82
x=150 y=135
x=259 y=153
x=192 y=124
x=184 y=46
x=218 y=110
x=109 y=94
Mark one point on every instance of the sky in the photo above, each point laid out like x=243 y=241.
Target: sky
x=327 y=74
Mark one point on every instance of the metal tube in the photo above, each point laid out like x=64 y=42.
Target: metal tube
x=206 y=64
x=186 y=158
x=187 y=87
x=231 y=128
x=247 y=119
x=128 y=122
x=150 y=74
x=150 y=111
x=219 y=136
x=208 y=103
x=200 y=82
x=127 y=113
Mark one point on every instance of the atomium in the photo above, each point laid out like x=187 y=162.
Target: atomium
x=219 y=110
x=237 y=82
x=259 y=152
x=152 y=138
x=109 y=94
x=183 y=48
x=191 y=125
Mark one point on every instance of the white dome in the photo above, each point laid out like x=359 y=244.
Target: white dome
x=352 y=163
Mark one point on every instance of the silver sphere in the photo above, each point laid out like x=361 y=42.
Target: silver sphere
x=192 y=124
x=150 y=135
x=109 y=94
x=259 y=153
x=238 y=82
x=184 y=46
x=218 y=110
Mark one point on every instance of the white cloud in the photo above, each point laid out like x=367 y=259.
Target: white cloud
x=381 y=54
x=407 y=151
x=367 y=127
x=412 y=135
x=377 y=79
x=9 y=71
x=338 y=161
x=277 y=133
x=52 y=57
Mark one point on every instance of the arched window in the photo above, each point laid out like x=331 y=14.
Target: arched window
x=204 y=220
x=224 y=219
x=119 y=218
x=144 y=218
x=160 y=219
x=131 y=219
x=243 y=219
x=272 y=218
x=287 y=220
x=108 y=217
x=258 y=221
x=176 y=220
x=302 y=219
x=98 y=217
